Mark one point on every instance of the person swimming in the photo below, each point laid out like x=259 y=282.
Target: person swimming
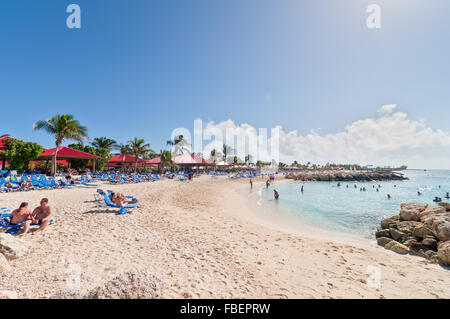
x=389 y=196
x=447 y=195
x=419 y=193
x=275 y=194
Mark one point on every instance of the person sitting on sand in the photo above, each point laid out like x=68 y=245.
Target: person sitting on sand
x=275 y=194
x=20 y=215
x=41 y=215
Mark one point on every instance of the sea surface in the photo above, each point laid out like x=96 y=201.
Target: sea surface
x=348 y=209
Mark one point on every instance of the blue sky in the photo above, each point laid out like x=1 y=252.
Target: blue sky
x=143 y=68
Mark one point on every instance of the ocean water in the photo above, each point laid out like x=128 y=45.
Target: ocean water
x=349 y=210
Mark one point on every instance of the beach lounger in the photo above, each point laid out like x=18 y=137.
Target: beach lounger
x=122 y=209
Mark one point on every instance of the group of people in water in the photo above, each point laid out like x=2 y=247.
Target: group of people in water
x=268 y=182
x=41 y=216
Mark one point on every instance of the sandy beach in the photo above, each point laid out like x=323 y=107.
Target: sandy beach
x=203 y=240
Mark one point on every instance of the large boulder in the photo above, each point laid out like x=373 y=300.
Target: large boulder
x=420 y=230
x=411 y=211
x=390 y=222
x=444 y=252
x=431 y=211
x=396 y=234
x=407 y=226
x=419 y=249
x=445 y=205
x=13 y=247
x=382 y=241
x=397 y=247
x=383 y=233
x=441 y=228
x=130 y=285
x=429 y=241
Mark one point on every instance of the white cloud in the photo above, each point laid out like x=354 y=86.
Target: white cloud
x=390 y=139
x=387 y=109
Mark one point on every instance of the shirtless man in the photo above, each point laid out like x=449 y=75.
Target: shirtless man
x=41 y=214
x=21 y=214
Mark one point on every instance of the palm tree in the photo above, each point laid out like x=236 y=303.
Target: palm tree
x=226 y=150
x=179 y=144
x=137 y=147
x=104 y=142
x=63 y=127
x=124 y=149
x=214 y=154
x=166 y=160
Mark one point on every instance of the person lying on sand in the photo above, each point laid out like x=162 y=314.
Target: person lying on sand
x=21 y=214
x=11 y=185
x=41 y=214
x=25 y=184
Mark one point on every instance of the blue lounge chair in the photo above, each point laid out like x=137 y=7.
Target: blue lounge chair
x=122 y=210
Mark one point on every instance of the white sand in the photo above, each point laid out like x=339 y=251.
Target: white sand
x=203 y=241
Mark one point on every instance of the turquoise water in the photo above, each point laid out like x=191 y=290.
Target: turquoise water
x=350 y=210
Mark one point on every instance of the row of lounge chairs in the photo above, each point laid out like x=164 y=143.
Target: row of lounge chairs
x=32 y=182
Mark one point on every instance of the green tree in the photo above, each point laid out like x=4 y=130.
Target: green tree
x=19 y=153
x=104 y=142
x=137 y=148
x=166 y=160
x=226 y=150
x=105 y=155
x=62 y=127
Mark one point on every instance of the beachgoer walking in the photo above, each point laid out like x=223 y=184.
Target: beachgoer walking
x=275 y=194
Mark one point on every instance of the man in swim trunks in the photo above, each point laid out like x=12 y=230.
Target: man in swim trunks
x=41 y=214
x=20 y=215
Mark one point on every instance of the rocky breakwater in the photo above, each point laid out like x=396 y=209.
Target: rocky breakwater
x=420 y=229
x=346 y=176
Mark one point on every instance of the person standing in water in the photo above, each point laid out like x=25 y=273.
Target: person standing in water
x=275 y=194
x=389 y=196
x=301 y=189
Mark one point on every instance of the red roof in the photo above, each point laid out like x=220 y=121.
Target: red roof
x=191 y=159
x=3 y=139
x=155 y=160
x=66 y=153
x=125 y=158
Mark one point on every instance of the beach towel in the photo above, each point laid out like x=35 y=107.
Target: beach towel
x=5 y=223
